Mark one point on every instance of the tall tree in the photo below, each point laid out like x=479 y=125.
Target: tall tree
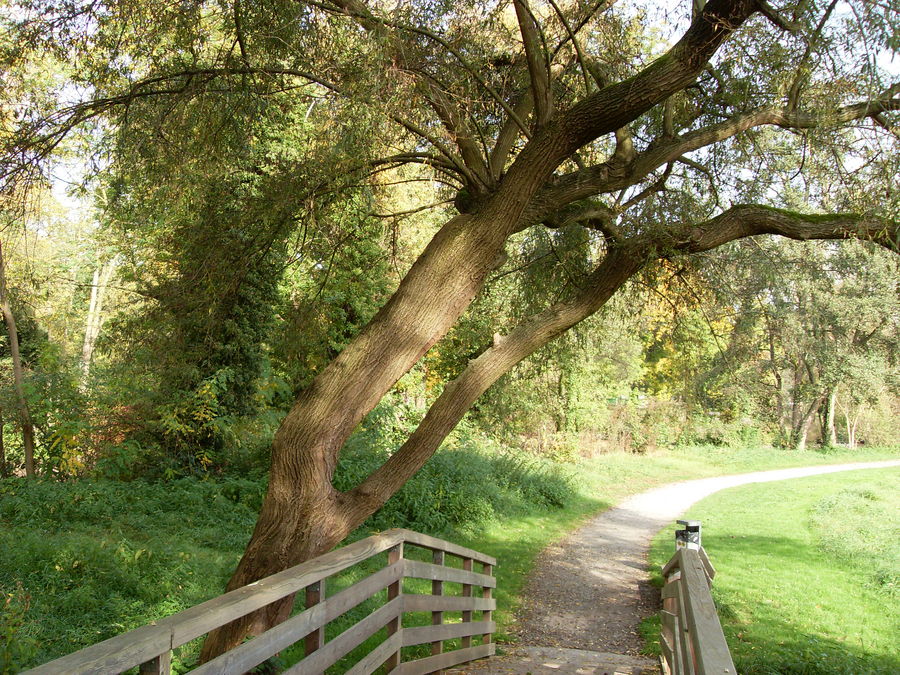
x=533 y=115
x=18 y=371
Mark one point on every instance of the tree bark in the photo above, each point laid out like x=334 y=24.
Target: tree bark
x=4 y=469
x=94 y=322
x=18 y=372
x=829 y=431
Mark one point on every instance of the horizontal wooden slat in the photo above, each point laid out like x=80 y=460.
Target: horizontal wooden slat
x=669 y=620
x=670 y=590
x=435 y=544
x=113 y=655
x=445 y=660
x=710 y=649
x=351 y=638
x=422 y=570
x=373 y=660
x=252 y=653
x=198 y=620
x=707 y=564
x=667 y=658
x=673 y=564
x=447 y=631
x=445 y=603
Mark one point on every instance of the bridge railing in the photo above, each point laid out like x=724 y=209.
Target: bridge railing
x=691 y=639
x=150 y=647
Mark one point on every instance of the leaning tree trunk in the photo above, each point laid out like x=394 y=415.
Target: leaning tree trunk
x=302 y=514
x=18 y=373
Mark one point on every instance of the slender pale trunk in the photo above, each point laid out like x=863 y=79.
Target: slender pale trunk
x=18 y=373
x=4 y=470
x=102 y=276
x=829 y=431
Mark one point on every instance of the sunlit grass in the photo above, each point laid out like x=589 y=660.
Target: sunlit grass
x=807 y=572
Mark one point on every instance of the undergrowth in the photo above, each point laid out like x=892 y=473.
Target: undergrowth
x=84 y=560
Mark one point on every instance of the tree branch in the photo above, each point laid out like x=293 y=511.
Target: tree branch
x=538 y=63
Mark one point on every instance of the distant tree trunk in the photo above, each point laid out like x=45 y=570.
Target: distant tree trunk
x=4 y=471
x=829 y=432
x=94 y=322
x=851 y=423
x=18 y=377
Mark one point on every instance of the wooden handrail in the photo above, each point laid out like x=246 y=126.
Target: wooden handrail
x=150 y=646
x=691 y=639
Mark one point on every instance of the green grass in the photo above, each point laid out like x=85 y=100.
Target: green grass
x=84 y=560
x=807 y=572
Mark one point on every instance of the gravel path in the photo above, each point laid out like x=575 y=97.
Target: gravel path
x=590 y=590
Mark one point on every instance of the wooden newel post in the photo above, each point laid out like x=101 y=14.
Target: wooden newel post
x=467 y=593
x=315 y=593
x=395 y=554
x=689 y=537
x=161 y=665
x=487 y=614
x=437 y=617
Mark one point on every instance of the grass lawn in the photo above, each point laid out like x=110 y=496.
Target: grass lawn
x=808 y=572
x=85 y=560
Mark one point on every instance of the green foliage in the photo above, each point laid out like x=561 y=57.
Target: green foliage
x=16 y=647
x=460 y=489
x=100 y=557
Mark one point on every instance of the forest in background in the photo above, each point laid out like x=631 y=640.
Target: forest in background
x=163 y=351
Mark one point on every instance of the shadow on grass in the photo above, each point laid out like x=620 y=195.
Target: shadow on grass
x=770 y=629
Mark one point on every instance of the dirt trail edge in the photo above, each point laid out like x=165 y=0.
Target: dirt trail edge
x=590 y=590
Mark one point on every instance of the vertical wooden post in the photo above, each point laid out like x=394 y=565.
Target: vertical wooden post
x=161 y=665
x=393 y=591
x=487 y=614
x=315 y=593
x=437 y=617
x=467 y=593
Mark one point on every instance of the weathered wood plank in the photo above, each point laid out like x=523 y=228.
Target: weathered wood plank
x=395 y=557
x=433 y=543
x=351 y=638
x=250 y=654
x=487 y=615
x=445 y=660
x=161 y=665
x=448 y=631
x=707 y=564
x=437 y=616
x=668 y=653
x=375 y=658
x=702 y=619
x=673 y=564
x=200 y=619
x=683 y=638
x=670 y=590
x=423 y=570
x=114 y=655
x=314 y=595
x=669 y=621
x=446 y=603
x=467 y=595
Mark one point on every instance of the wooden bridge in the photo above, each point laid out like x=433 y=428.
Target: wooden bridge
x=457 y=614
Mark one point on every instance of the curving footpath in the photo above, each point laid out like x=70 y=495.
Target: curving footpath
x=589 y=591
